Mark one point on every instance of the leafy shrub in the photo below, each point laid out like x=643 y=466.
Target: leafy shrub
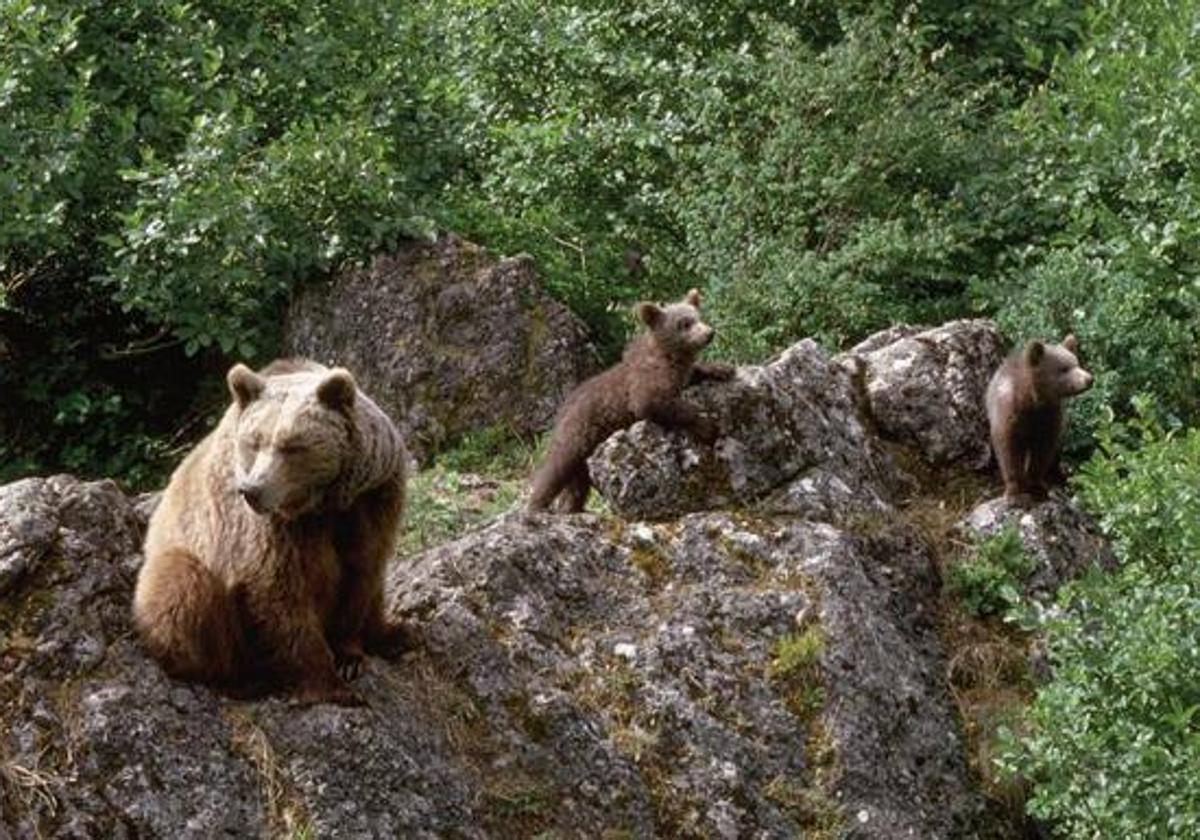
x=1106 y=162
x=1110 y=743
x=170 y=171
x=990 y=582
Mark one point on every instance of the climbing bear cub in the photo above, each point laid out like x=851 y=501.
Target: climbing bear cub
x=265 y=558
x=1026 y=413
x=644 y=385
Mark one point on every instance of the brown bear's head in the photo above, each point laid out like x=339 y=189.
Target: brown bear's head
x=677 y=328
x=1056 y=370
x=292 y=438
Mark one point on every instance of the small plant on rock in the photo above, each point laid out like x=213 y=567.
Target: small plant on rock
x=989 y=583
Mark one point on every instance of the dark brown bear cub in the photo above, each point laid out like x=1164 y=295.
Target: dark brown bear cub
x=1027 y=417
x=645 y=385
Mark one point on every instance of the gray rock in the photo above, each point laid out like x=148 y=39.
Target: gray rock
x=446 y=339
x=1063 y=541
x=764 y=663
x=658 y=647
x=927 y=388
x=26 y=526
x=790 y=430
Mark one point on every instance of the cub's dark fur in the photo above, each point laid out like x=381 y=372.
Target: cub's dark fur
x=1025 y=408
x=645 y=385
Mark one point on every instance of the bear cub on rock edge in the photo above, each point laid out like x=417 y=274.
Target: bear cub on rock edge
x=265 y=558
x=644 y=385
x=1027 y=417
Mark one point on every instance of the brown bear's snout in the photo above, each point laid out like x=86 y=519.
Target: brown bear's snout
x=253 y=496
x=1083 y=381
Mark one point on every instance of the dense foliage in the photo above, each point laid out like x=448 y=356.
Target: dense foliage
x=1112 y=744
x=170 y=171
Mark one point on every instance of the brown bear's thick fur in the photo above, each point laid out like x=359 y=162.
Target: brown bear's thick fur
x=1026 y=413
x=265 y=558
x=644 y=385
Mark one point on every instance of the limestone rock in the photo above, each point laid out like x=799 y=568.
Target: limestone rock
x=790 y=430
x=926 y=388
x=574 y=675
x=652 y=659
x=446 y=339
x=1063 y=541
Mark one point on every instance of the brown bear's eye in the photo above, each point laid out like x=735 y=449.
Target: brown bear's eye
x=685 y=324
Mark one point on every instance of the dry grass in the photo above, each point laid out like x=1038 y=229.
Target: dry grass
x=287 y=817
x=28 y=792
x=986 y=673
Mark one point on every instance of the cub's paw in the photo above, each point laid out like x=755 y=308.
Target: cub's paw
x=719 y=371
x=706 y=431
x=1021 y=500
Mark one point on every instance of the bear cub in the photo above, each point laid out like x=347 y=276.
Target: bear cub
x=1026 y=413
x=265 y=558
x=644 y=385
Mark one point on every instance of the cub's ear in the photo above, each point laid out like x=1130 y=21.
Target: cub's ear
x=337 y=389
x=1034 y=351
x=692 y=298
x=244 y=384
x=649 y=314
x=1071 y=343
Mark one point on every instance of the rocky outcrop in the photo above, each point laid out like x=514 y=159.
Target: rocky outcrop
x=925 y=388
x=752 y=648
x=446 y=339
x=1062 y=540
x=792 y=441
x=718 y=676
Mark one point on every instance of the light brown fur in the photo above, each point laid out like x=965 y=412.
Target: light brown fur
x=265 y=558
x=644 y=385
x=1027 y=416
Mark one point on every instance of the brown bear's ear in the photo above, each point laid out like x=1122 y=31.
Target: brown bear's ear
x=692 y=298
x=244 y=384
x=1034 y=351
x=337 y=389
x=649 y=314
x=1071 y=343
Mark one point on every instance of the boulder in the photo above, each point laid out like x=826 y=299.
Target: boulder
x=722 y=675
x=792 y=440
x=753 y=648
x=447 y=339
x=926 y=388
x=1062 y=540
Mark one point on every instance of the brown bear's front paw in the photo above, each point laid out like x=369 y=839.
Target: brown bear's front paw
x=1019 y=499
x=719 y=371
x=350 y=661
x=391 y=640
x=337 y=695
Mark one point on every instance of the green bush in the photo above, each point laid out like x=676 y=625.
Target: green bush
x=1110 y=743
x=1106 y=156
x=171 y=170
x=990 y=581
